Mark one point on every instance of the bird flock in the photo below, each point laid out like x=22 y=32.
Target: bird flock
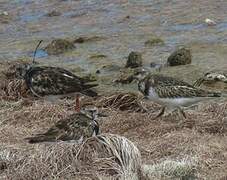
x=47 y=81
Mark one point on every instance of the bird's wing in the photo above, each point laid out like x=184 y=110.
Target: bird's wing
x=183 y=92
x=53 y=80
x=170 y=81
x=71 y=128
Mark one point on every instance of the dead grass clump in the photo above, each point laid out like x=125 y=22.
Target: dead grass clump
x=50 y=161
x=103 y=156
x=112 y=155
x=124 y=102
x=172 y=169
x=14 y=89
x=212 y=119
x=212 y=126
x=10 y=68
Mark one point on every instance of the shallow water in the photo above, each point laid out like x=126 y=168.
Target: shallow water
x=124 y=25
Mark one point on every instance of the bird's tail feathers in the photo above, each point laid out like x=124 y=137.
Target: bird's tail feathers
x=38 y=139
x=90 y=92
x=88 y=86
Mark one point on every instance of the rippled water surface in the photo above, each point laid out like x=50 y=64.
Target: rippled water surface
x=123 y=25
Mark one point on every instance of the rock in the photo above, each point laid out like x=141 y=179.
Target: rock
x=87 y=39
x=134 y=60
x=210 y=22
x=4 y=17
x=110 y=67
x=79 y=40
x=125 y=18
x=97 y=56
x=154 y=41
x=53 y=13
x=59 y=46
x=5 y=13
x=180 y=57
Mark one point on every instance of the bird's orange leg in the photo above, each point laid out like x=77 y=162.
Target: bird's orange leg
x=77 y=107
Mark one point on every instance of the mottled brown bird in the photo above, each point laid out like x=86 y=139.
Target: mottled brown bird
x=171 y=92
x=45 y=80
x=48 y=80
x=77 y=127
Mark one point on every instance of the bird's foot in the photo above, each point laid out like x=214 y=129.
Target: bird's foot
x=183 y=113
x=160 y=113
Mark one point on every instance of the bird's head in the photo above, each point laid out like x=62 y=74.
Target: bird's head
x=92 y=112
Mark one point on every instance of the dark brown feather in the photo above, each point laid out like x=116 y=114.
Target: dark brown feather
x=73 y=127
x=55 y=81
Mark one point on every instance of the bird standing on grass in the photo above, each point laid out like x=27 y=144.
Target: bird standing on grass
x=53 y=81
x=76 y=127
x=172 y=93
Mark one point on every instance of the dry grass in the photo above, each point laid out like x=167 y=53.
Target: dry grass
x=170 y=147
x=163 y=143
x=101 y=156
x=12 y=88
x=180 y=169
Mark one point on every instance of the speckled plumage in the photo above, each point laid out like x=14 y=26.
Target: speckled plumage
x=46 y=80
x=172 y=92
x=168 y=87
x=212 y=77
x=77 y=126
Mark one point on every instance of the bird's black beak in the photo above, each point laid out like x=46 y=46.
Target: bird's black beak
x=102 y=115
x=198 y=82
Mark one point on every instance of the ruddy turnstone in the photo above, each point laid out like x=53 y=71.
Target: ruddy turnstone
x=48 y=80
x=212 y=77
x=76 y=127
x=171 y=92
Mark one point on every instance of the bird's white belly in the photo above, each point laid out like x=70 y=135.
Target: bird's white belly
x=179 y=101
x=172 y=102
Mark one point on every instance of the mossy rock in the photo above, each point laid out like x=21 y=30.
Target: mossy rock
x=180 y=57
x=134 y=60
x=97 y=56
x=110 y=67
x=53 y=13
x=59 y=46
x=154 y=41
x=5 y=19
x=87 y=39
